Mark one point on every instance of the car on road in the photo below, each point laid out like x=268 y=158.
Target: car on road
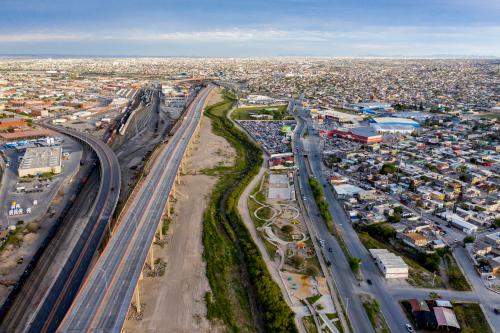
x=409 y=328
x=330 y=249
x=491 y=277
x=496 y=310
x=321 y=243
x=369 y=282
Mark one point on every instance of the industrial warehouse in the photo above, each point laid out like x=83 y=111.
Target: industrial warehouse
x=40 y=160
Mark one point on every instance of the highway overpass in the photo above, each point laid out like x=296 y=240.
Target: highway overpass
x=103 y=301
x=41 y=306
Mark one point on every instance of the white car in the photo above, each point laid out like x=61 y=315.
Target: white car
x=409 y=328
x=491 y=277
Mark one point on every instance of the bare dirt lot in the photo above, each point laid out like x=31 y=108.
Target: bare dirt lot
x=174 y=302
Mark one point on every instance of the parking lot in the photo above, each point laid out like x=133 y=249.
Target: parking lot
x=27 y=199
x=269 y=134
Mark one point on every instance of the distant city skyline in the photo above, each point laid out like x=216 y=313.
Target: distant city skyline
x=255 y=28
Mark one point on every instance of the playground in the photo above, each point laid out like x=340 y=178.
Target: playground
x=281 y=226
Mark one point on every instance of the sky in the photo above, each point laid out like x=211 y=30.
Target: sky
x=250 y=28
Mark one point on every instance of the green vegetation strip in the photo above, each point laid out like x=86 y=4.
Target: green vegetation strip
x=275 y=112
x=230 y=254
x=455 y=275
x=372 y=308
x=309 y=324
x=319 y=198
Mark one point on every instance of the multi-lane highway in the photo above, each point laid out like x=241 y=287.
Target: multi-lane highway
x=64 y=288
x=104 y=299
x=343 y=277
x=393 y=313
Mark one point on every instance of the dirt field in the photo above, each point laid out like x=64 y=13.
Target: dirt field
x=215 y=97
x=174 y=302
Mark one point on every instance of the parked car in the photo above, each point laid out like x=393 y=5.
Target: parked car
x=409 y=328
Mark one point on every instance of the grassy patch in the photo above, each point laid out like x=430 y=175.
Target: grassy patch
x=455 y=275
x=372 y=308
x=277 y=112
x=471 y=318
x=235 y=268
x=309 y=324
x=14 y=238
x=313 y=299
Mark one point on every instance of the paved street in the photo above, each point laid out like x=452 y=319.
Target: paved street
x=489 y=299
x=388 y=295
x=104 y=299
x=344 y=279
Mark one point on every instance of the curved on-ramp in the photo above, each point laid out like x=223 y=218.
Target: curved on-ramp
x=50 y=312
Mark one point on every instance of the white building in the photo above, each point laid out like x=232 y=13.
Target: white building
x=391 y=265
x=39 y=160
x=459 y=222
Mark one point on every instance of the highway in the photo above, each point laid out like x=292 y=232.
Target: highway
x=58 y=299
x=103 y=301
x=343 y=277
x=390 y=307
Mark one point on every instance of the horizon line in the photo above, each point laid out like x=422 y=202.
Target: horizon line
x=368 y=56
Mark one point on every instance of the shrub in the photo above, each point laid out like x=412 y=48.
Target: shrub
x=287 y=229
x=312 y=271
x=355 y=264
x=388 y=168
x=297 y=261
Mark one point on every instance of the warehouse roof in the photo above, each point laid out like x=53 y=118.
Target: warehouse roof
x=394 y=120
x=364 y=131
x=41 y=157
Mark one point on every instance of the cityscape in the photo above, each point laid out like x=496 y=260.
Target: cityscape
x=252 y=185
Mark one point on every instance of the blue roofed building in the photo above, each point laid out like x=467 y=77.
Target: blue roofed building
x=394 y=121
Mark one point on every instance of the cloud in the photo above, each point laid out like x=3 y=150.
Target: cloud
x=43 y=37
x=384 y=39
x=233 y=35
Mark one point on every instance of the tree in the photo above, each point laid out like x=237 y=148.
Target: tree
x=312 y=270
x=355 y=264
x=388 y=168
x=496 y=223
x=287 y=229
x=442 y=251
x=297 y=261
x=463 y=177
x=433 y=295
x=431 y=261
x=394 y=218
x=468 y=239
